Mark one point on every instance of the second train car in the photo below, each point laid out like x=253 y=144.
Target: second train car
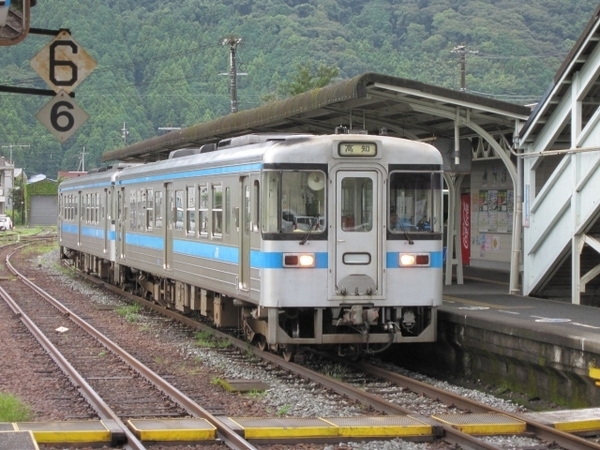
x=312 y=240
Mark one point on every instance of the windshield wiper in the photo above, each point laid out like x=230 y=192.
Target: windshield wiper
x=312 y=224
x=408 y=238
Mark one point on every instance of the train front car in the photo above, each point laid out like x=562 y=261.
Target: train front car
x=334 y=268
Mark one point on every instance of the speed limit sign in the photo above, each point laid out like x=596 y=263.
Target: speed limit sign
x=62 y=116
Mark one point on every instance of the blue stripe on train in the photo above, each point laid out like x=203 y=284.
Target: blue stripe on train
x=241 y=168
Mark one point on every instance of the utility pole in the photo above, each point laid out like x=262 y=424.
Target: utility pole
x=124 y=133
x=81 y=167
x=462 y=51
x=233 y=43
x=10 y=148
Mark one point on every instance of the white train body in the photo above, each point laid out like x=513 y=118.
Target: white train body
x=289 y=237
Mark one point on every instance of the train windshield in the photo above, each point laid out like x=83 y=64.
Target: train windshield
x=294 y=202
x=415 y=202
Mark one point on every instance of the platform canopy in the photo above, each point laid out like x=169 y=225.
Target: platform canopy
x=369 y=102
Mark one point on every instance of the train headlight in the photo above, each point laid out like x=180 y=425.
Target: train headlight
x=298 y=260
x=414 y=259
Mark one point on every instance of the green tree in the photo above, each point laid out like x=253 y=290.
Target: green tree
x=307 y=79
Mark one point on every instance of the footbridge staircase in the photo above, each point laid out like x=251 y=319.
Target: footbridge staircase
x=562 y=237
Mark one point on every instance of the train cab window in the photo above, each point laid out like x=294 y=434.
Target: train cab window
x=203 y=211
x=357 y=204
x=217 y=210
x=415 y=202
x=158 y=200
x=294 y=202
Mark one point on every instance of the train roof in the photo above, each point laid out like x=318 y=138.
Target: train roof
x=367 y=102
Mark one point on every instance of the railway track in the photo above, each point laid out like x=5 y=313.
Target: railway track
x=449 y=434
x=117 y=386
x=375 y=401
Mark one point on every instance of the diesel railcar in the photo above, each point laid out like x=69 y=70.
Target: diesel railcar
x=312 y=240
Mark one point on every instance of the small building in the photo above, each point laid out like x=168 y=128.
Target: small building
x=42 y=201
x=6 y=184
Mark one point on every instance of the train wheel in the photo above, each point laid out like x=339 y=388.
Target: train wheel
x=261 y=343
x=289 y=351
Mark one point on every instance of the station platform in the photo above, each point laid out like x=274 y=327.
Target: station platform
x=546 y=348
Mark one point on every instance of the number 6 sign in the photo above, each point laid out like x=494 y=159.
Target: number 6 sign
x=62 y=116
x=63 y=63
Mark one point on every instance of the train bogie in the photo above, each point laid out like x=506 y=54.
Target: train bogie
x=298 y=240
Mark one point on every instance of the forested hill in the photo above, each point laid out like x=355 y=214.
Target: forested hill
x=161 y=63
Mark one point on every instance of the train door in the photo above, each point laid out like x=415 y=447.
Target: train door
x=244 y=227
x=105 y=217
x=79 y=208
x=358 y=248
x=171 y=218
x=120 y=223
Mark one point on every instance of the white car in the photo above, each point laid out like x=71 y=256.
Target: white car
x=5 y=223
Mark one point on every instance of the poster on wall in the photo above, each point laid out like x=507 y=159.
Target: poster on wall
x=495 y=210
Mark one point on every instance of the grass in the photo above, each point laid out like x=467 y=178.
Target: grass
x=206 y=339
x=335 y=371
x=129 y=312
x=13 y=410
x=284 y=410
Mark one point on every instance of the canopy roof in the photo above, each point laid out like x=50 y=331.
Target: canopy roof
x=368 y=102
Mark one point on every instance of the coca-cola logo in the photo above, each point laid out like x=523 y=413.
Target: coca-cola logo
x=465 y=225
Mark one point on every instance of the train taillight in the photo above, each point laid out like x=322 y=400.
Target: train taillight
x=298 y=260
x=414 y=259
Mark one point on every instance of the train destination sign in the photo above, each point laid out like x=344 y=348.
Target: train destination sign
x=63 y=63
x=62 y=116
x=357 y=149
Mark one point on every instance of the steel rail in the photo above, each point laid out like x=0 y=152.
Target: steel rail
x=542 y=431
x=227 y=435
x=103 y=410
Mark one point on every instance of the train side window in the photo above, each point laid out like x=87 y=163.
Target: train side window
x=247 y=210
x=101 y=206
x=158 y=216
x=190 y=212
x=132 y=208
x=149 y=209
x=95 y=211
x=217 y=211
x=141 y=207
x=256 y=213
x=227 y=210
x=203 y=211
x=178 y=219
